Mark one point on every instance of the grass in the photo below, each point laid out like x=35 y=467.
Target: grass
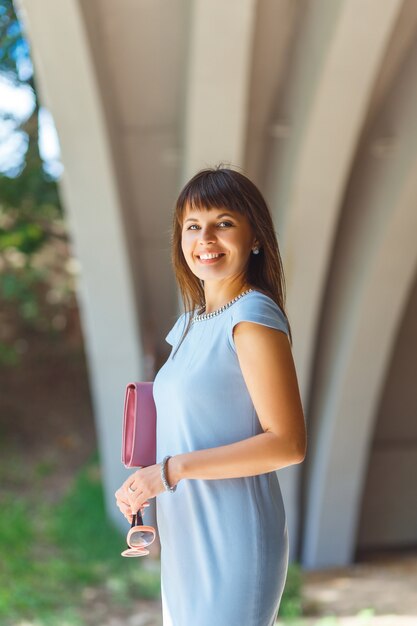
x=291 y=605
x=52 y=556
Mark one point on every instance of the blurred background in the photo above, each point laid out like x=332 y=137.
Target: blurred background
x=106 y=110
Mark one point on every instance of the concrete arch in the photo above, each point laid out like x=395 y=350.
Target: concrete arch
x=337 y=61
x=328 y=115
x=113 y=346
x=375 y=259
x=274 y=43
x=388 y=508
x=217 y=83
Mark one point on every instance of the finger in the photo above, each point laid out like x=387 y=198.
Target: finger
x=127 y=488
x=138 y=504
x=124 y=503
x=127 y=514
x=123 y=497
x=129 y=480
x=132 y=489
x=142 y=505
x=135 y=499
x=123 y=500
x=136 y=507
x=125 y=510
x=125 y=506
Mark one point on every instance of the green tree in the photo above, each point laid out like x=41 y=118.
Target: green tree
x=31 y=216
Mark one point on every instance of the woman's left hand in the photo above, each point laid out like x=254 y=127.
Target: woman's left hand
x=146 y=483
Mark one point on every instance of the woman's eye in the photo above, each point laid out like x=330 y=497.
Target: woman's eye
x=227 y=223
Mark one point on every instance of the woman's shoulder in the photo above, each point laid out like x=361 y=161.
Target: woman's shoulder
x=258 y=307
x=260 y=302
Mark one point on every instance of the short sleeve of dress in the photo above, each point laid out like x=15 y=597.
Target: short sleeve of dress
x=259 y=308
x=176 y=331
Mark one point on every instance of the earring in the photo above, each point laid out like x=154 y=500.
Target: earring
x=255 y=250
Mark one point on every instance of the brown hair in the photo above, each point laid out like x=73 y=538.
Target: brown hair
x=221 y=187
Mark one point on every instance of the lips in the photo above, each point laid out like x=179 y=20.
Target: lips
x=211 y=261
x=202 y=253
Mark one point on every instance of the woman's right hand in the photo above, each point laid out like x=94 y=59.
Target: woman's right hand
x=122 y=501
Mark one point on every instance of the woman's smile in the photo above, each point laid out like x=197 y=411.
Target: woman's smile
x=209 y=259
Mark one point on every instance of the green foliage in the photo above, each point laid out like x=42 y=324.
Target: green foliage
x=291 y=605
x=48 y=555
x=13 y=44
x=31 y=216
x=80 y=523
x=8 y=355
x=25 y=236
x=27 y=584
x=20 y=290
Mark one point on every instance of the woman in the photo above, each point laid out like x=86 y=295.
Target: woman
x=229 y=413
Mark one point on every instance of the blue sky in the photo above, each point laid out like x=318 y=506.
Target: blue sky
x=19 y=102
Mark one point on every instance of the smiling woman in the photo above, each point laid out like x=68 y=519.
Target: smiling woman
x=213 y=241
x=229 y=413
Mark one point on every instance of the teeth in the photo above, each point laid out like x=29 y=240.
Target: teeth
x=209 y=256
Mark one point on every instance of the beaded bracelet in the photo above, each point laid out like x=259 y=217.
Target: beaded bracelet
x=164 y=478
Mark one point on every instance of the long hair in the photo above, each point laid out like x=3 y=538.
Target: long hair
x=221 y=187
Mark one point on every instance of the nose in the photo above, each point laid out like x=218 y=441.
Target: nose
x=206 y=235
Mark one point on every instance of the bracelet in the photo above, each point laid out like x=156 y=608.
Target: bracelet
x=164 y=478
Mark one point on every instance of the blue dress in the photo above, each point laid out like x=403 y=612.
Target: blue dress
x=224 y=542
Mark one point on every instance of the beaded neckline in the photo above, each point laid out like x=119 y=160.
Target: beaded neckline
x=206 y=316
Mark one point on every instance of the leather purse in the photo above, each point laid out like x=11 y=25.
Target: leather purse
x=139 y=426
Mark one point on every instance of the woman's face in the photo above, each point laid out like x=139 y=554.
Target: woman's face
x=216 y=231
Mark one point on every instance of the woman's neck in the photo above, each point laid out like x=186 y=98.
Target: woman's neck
x=215 y=299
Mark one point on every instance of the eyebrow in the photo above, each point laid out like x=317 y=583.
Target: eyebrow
x=193 y=219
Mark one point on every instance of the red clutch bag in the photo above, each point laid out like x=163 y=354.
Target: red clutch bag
x=139 y=426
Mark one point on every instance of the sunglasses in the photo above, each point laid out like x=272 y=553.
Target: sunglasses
x=139 y=537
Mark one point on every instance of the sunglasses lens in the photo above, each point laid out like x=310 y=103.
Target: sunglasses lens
x=140 y=538
x=132 y=552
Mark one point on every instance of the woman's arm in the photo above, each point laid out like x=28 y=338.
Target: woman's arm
x=267 y=365
x=268 y=369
